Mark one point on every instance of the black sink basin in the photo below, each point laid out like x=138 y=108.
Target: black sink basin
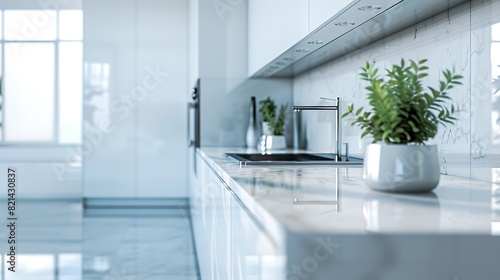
x=293 y=158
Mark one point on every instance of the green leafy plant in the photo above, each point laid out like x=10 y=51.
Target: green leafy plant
x=402 y=111
x=276 y=122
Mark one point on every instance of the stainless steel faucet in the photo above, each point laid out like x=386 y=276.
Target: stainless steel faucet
x=338 y=126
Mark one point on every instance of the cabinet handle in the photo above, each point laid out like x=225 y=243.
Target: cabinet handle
x=190 y=107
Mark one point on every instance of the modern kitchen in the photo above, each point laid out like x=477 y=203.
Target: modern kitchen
x=250 y=139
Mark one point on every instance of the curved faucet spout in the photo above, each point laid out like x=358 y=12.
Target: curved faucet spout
x=338 y=127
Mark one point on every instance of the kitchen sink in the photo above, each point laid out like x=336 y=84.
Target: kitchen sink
x=292 y=158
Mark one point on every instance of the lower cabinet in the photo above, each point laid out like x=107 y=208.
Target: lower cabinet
x=229 y=243
x=253 y=254
x=218 y=221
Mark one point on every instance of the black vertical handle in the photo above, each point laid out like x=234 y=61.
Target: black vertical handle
x=190 y=141
x=252 y=102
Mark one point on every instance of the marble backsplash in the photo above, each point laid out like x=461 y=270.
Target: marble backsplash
x=466 y=38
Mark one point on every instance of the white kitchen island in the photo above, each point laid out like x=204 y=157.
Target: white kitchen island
x=323 y=222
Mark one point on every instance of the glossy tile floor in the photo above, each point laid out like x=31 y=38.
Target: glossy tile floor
x=57 y=240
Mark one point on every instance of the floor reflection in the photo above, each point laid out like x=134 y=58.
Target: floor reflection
x=57 y=240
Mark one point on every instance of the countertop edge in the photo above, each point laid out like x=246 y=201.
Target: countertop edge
x=279 y=231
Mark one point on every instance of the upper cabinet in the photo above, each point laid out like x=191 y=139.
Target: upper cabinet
x=322 y=10
x=273 y=26
x=287 y=38
x=295 y=22
x=276 y=25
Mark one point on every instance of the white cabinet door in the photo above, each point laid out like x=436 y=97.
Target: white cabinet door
x=276 y=25
x=230 y=244
x=295 y=22
x=265 y=32
x=135 y=98
x=253 y=254
x=221 y=230
x=160 y=97
x=110 y=72
x=273 y=27
x=321 y=10
x=201 y=213
x=211 y=223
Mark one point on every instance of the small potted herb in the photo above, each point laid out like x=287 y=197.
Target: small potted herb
x=403 y=117
x=273 y=126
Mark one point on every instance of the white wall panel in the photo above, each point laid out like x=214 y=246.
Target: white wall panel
x=110 y=161
x=143 y=46
x=161 y=116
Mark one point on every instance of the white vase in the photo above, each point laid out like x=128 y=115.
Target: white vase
x=401 y=168
x=252 y=134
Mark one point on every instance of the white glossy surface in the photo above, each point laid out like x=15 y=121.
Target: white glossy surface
x=274 y=26
x=227 y=127
x=321 y=10
x=221 y=216
x=265 y=32
x=219 y=58
x=193 y=41
x=254 y=256
x=229 y=243
x=220 y=36
x=135 y=98
x=459 y=206
x=57 y=240
x=449 y=232
x=162 y=34
x=109 y=72
x=43 y=171
x=295 y=22
x=139 y=248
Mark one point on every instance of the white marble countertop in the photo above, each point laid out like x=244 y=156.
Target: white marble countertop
x=457 y=206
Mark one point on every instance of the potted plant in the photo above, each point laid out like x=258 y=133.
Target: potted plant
x=403 y=117
x=273 y=126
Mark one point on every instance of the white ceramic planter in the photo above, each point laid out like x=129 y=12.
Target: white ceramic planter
x=401 y=168
x=265 y=129
x=272 y=142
